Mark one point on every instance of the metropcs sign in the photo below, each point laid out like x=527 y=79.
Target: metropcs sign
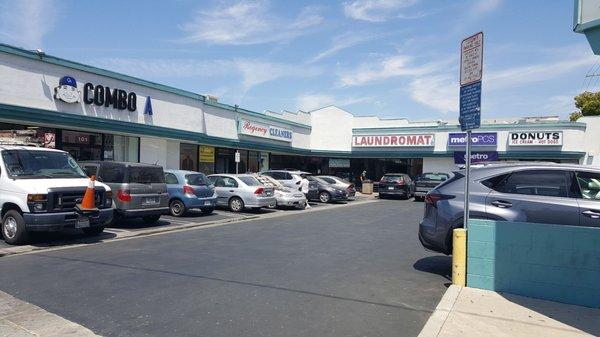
x=261 y=130
x=543 y=138
x=394 y=141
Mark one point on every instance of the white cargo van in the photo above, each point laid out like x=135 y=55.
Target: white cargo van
x=39 y=189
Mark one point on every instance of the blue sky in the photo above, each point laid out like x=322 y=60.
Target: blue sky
x=390 y=58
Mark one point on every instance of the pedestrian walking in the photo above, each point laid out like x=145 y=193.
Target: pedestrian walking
x=304 y=189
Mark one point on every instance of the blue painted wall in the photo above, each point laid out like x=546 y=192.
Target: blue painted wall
x=557 y=263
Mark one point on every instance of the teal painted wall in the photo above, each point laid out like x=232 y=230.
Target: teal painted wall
x=552 y=262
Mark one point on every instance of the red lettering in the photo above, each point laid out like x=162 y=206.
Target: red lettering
x=378 y=141
x=386 y=140
x=369 y=141
x=394 y=140
x=428 y=139
x=412 y=140
x=401 y=140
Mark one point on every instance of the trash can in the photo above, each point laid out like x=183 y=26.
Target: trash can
x=367 y=187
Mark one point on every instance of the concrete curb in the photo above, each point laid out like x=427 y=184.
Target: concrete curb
x=19 y=250
x=19 y=318
x=436 y=321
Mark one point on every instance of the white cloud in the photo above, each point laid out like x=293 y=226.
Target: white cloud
x=246 y=23
x=26 y=22
x=252 y=72
x=376 y=10
x=482 y=7
x=312 y=101
x=342 y=42
x=386 y=68
x=439 y=92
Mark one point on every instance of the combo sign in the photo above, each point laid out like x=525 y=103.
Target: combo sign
x=99 y=95
x=543 y=138
x=255 y=129
x=394 y=141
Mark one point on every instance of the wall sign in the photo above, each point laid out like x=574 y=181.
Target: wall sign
x=261 y=130
x=207 y=154
x=68 y=92
x=394 y=141
x=476 y=157
x=540 y=138
x=477 y=139
x=339 y=163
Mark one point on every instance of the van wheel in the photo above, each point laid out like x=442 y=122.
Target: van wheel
x=177 y=208
x=236 y=204
x=93 y=231
x=151 y=218
x=13 y=228
x=324 y=197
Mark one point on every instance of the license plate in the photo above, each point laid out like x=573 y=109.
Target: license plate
x=390 y=187
x=82 y=223
x=207 y=203
x=151 y=201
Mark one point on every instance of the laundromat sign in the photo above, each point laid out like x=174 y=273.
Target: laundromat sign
x=539 y=138
x=261 y=130
x=404 y=140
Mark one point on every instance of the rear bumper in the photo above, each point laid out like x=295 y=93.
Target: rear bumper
x=138 y=213
x=428 y=241
x=63 y=220
x=339 y=197
x=394 y=192
x=261 y=202
x=291 y=201
x=209 y=202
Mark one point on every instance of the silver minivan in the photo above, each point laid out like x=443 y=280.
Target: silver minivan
x=139 y=190
x=240 y=191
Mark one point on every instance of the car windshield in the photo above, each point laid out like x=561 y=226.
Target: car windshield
x=434 y=176
x=197 y=179
x=250 y=181
x=145 y=174
x=34 y=164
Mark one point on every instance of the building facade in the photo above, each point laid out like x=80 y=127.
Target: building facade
x=96 y=114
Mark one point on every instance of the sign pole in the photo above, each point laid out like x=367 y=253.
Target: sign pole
x=467 y=170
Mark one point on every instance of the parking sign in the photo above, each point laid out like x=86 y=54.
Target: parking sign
x=471 y=59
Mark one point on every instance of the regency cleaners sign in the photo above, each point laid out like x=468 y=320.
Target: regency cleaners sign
x=539 y=138
x=404 y=140
x=261 y=130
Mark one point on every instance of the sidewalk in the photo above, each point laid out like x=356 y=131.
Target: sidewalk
x=19 y=318
x=476 y=312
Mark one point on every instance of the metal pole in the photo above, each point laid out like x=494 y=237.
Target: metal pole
x=467 y=169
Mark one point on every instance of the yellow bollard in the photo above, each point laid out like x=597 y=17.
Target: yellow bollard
x=459 y=257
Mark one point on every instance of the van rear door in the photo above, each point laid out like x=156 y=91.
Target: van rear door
x=147 y=187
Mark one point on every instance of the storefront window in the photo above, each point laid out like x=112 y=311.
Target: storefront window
x=82 y=145
x=253 y=161
x=243 y=165
x=188 y=157
x=121 y=148
x=225 y=161
x=27 y=135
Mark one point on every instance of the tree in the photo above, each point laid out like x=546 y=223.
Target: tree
x=588 y=104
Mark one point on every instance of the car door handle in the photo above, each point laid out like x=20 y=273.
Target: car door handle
x=501 y=204
x=591 y=214
x=231 y=191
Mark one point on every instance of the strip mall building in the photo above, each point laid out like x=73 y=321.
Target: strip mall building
x=102 y=115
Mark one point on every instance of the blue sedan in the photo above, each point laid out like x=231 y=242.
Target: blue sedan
x=187 y=190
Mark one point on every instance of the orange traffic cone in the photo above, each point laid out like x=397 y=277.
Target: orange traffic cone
x=88 y=202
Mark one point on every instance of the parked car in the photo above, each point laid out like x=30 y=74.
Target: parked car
x=240 y=191
x=425 y=182
x=562 y=194
x=292 y=180
x=39 y=189
x=140 y=189
x=341 y=184
x=284 y=196
x=328 y=192
x=395 y=184
x=189 y=189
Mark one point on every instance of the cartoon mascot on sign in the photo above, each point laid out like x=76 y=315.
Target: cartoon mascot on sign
x=67 y=90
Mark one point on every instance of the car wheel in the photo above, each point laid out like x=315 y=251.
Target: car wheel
x=177 y=208
x=151 y=218
x=324 y=197
x=13 y=228
x=93 y=231
x=236 y=204
x=207 y=211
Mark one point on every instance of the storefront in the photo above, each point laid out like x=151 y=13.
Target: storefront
x=97 y=114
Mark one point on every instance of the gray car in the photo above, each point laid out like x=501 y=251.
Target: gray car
x=241 y=191
x=139 y=190
x=292 y=179
x=285 y=196
x=340 y=183
x=549 y=193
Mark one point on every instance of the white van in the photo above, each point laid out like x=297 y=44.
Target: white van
x=39 y=189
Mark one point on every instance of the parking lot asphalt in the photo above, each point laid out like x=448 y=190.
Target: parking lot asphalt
x=348 y=271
